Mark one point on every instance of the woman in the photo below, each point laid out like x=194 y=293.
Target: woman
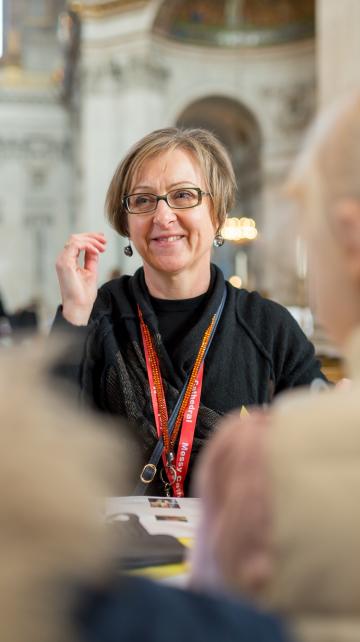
x=147 y=336
x=284 y=523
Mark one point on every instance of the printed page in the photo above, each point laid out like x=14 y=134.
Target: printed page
x=165 y=515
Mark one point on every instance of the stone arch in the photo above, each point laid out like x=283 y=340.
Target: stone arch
x=238 y=129
x=236 y=126
x=234 y=23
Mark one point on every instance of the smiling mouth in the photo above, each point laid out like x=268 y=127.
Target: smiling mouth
x=168 y=239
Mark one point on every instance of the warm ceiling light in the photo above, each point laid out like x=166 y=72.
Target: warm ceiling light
x=236 y=281
x=239 y=230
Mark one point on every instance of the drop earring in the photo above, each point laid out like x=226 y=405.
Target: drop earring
x=218 y=240
x=128 y=251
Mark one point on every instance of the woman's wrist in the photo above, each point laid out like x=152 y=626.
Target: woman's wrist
x=76 y=315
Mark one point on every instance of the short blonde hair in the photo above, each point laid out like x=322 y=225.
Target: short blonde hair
x=214 y=161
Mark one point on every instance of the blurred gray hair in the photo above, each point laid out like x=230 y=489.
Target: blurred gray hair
x=331 y=154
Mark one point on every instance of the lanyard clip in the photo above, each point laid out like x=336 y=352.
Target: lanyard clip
x=148 y=473
x=171 y=473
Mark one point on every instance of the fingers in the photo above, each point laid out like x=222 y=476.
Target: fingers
x=91 y=239
x=214 y=457
x=92 y=243
x=234 y=484
x=91 y=261
x=246 y=511
x=228 y=452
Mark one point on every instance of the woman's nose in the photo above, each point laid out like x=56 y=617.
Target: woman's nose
x=163 y=214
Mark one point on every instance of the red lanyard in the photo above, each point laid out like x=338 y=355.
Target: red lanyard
x=176 y=470
x=187 y=435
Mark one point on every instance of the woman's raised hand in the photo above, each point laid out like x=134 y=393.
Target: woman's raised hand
x=78 y=283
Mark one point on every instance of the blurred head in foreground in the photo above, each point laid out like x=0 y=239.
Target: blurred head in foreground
x=325 y=183
x=54 y=473
x=282 y=511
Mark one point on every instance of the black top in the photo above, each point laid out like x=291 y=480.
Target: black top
x=258 y=351
x=177 y=318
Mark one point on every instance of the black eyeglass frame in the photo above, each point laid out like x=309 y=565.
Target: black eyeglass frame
x=164 y=197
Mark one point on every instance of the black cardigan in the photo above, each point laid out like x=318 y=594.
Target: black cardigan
x=258 y=351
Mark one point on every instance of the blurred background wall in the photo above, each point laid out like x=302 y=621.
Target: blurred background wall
x=81 y=81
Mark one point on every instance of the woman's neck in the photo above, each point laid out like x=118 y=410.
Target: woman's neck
x=176 y=286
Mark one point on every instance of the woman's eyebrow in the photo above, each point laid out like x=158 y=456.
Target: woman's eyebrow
x=184 y=182
x=148 y=187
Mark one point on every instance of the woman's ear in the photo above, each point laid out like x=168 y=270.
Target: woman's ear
x=346 y=219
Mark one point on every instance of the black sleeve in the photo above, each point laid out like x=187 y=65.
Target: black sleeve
x=71 y=340
x=68 y=347
x=294 y=358
x=78 y=357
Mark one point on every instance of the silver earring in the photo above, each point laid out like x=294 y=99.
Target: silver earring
x=218 y=240
x=128 y=251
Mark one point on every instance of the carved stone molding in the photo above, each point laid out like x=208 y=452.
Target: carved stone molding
x=19 y=85
x=95 y=10
x=98 y=77
x=146 y=71
x=28 y=97
x=34 y=147
x=136 y=71
x=292 y=106
x=38 y=214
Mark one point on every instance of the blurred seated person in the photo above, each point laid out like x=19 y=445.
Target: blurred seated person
x=115 y=273
x=281 y=491
x=57 y=581
x=174 y=347
x=24 y=321
x=2 y=308
x=5 y=327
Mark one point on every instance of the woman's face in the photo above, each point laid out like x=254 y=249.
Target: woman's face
x=171 y=240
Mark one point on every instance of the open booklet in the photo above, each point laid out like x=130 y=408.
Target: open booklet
x=159 y=515
x=154 y=531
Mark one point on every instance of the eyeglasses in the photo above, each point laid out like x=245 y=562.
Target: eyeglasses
x=181 y=198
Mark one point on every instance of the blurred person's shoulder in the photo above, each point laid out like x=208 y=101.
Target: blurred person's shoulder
x=327 y=414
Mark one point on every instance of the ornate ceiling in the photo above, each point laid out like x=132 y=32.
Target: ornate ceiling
x=236 y=22
x=102 y=8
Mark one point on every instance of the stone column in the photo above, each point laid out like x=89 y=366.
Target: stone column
x=36 y=187
x=122 y=99
x=338 y=35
